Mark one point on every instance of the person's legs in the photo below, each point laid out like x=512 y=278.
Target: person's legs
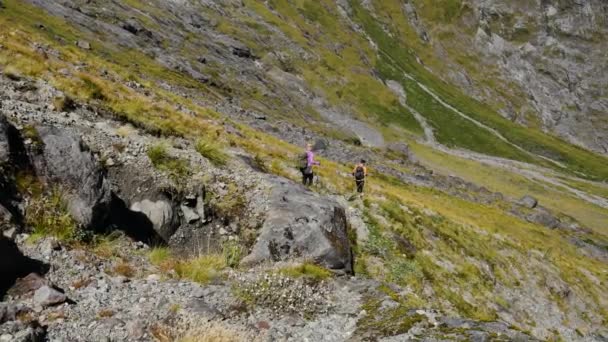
x=303 y=176
x=360 y=186
x=309 y=178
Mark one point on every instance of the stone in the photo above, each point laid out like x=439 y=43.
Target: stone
x=528 y=202
x=27 y=284
x=320 y=145
x=243 y=52
x=14 y=265
x=153 y=277
x=83 y=44
x=190 y=214
x=33 y=333
x=302 y=224
x=119 y=280
x=10 y=312
x=136 y=329
x=544 y=218
x=48 y=296
x=400 y=148
x=48 y=246
x=68 y=161
x=10 y=233
x=160 y=214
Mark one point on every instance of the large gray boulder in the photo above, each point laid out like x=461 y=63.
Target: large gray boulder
x=66 y=161
x=302 y=224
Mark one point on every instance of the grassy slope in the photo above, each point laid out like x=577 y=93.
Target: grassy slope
x=516 y=186
x=578 y=160
x=440 y=227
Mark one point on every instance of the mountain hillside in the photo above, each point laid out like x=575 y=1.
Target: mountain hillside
x=148 y=154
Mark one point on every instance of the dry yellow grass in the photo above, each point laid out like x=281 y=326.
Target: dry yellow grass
x=216 y=332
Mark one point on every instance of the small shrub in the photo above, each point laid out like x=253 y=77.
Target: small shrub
x=105 y=313
x=212 y=152
x=306 y=270
x=64 y=104
x=30 y=132
x=203 y=269
x=124 y=269
x=232 y=204
x=159 y=255
x=48 y=216
x=233 y=252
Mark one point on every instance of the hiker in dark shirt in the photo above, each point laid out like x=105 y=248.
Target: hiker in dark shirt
x=360 y=173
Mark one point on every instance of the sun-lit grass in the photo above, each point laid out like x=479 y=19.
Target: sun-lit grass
x=203 y=269
x=516 y=186
x=306 y=270
x=49 y=216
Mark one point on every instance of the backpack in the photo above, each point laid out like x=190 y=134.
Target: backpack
x=359 y=173
x=303 y=161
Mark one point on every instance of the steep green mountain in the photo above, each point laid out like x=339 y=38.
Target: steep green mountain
x=469 y=113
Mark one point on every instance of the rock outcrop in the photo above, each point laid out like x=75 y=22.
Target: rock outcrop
x=67 y=161
x=302 y=224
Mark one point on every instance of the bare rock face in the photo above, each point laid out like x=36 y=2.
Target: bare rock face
x=301 y=224
x=66 y=160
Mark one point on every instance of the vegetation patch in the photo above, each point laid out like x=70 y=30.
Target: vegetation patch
x=284 y=294
x=176 y=168
x=203 y=269
x=48 y=215
x=392 y=321
x=306 y=270
x=212 y=152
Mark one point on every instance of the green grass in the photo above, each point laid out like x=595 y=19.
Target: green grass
x=212 y=152
x=233 y=252
x=306 y=270
x=203 y=269
x=159 y=255
x=176 y=168
x=48 y=215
